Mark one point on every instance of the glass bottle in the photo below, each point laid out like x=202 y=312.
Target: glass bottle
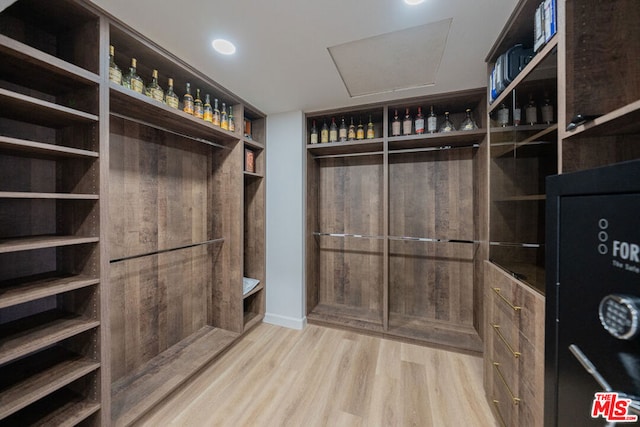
x=468 y=122
x=517 y=115
x=134 y=81
x=170 y=97
x=503 y=116
x=313 y=137
x=187 y=101
x=115 y=73
x=198 y=109
x=395 y=124
x=342 y=132
x=333 y=130
x=360 y=130
x=351 y=133
x=216 y=113
x=207 y=111
x=370 y=130
x=324 y=133
x=406 y=123
x=547 y=111
x=154 y=90
x=432 y=122
x=447 y=125
x=224 y=118
x=531 y=112
x=232 y=123
x=419 y=122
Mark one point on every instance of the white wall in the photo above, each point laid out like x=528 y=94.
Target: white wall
x=285 y=220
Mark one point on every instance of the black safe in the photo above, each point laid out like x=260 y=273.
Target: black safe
x=592 y=330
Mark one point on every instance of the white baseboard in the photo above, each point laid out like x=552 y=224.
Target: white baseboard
x=287 y=322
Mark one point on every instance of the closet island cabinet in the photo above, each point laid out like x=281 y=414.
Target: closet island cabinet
x=393 y=236
x=127 y=225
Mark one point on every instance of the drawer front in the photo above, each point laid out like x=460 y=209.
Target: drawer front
x=506 y=405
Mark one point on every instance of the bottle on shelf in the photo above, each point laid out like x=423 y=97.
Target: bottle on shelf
x=224 y=118
x=216 y=113
x=395 y=124
x=342 y=132
x=406 y=123
x=370 y=130
x=503 y=116
x=333 y=130
x=351 y=133
x=447 y=125
x=170 y=97
x=468 y=123
x=232 y=123
x=547 y=110
x=154 y=91
x=198 y=108
x=419 y=122
x=432 y=122
x=517 y=114
x=115 y=73
x=207 y=111
x=324 y=133
x=132 y=79
x=531 y=112
x=360 y=130
x=187 y=101
x=313 y=137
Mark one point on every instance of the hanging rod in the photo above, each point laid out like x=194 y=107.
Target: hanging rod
x=332 y=156
x=193 y=138
x=428 y=239
x=517 y=245
x=359 y=236
x=427 y=149
x=161 y=251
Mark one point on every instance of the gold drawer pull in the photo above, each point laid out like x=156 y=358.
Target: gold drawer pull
x=496 y=328
x=495 y=405
x=514 y=307
x=515 y=399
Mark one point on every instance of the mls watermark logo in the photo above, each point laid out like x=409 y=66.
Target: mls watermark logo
x=612 y=408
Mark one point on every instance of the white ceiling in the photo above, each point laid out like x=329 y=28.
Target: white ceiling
x=282 y=62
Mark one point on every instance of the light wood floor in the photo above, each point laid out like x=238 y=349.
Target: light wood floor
x=327 y=377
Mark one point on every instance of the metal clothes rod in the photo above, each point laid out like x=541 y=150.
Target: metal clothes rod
x=333 y=156
x=428 y=239
x=517 y=245
x=161 y=251
x=427 y=149
x=360 y=236
x=193 y=138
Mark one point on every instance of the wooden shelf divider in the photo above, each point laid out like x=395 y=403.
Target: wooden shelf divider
x=56 y=196
x=25 y=291
x=42 y=242
x=40 y=148
x=34 y=110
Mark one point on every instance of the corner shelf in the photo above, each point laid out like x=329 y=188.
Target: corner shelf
x=41 y=242
x=55 y=369
x=255 y=290
x=252 y=175
x=623 y=121
x=33 y=288
x=37 y=111
x=40 y=331
x=44 y=149
x=253 y=144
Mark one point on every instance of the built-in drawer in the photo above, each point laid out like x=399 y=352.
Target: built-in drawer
x=505 y=402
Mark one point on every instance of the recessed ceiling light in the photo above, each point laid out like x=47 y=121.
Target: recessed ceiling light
x=223 y=46
x=413 y=2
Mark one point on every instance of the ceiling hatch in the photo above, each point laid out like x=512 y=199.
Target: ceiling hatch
x=393 y=61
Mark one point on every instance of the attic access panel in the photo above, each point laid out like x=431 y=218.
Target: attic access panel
x=403 y=59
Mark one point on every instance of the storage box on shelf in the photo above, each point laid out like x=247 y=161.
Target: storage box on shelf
x=50 y=324
x=385 y=250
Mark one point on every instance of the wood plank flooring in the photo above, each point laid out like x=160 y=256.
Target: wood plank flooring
x=328 y=377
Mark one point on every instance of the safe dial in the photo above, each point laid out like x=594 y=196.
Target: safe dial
x=619 y=315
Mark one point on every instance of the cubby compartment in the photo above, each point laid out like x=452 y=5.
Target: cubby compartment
x=64 y=29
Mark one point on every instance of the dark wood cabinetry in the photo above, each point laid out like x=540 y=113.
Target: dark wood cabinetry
x=127 y=225
x=393 y=237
